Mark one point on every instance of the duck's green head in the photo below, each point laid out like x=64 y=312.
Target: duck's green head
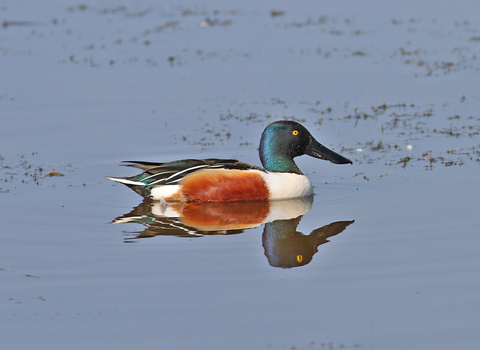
x=284 y=140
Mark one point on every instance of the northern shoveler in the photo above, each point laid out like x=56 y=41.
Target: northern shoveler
x=228 y=180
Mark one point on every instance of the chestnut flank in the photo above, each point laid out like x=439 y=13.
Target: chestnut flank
x=212 y=185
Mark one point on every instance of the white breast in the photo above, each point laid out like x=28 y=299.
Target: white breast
x=287 y=185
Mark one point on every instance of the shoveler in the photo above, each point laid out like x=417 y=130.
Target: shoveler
x=228 y=180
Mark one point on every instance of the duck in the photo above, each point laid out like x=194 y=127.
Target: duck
x=230 y=180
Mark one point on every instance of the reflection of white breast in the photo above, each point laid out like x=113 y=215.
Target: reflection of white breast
x=289 y=208
x=287 y=185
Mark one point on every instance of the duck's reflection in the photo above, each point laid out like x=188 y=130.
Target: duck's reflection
x=284 y=246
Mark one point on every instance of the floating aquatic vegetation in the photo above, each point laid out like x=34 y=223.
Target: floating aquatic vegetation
x=24 y=169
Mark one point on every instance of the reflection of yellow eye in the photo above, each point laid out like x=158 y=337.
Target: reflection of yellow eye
x=299 y=257
x=295 y=132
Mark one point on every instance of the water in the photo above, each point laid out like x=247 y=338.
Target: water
x=394 y=88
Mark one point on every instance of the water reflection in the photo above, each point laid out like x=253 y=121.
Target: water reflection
x=284 y=246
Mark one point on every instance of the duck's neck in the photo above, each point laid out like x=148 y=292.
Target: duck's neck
x=280 y=165
x=275 y=158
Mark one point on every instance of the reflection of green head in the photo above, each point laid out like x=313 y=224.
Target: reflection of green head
x=284 y=246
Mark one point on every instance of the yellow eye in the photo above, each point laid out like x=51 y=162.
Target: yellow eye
x=299 y=257
x=295 y=132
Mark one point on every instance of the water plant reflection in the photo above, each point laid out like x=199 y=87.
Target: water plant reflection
x=284 y=246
